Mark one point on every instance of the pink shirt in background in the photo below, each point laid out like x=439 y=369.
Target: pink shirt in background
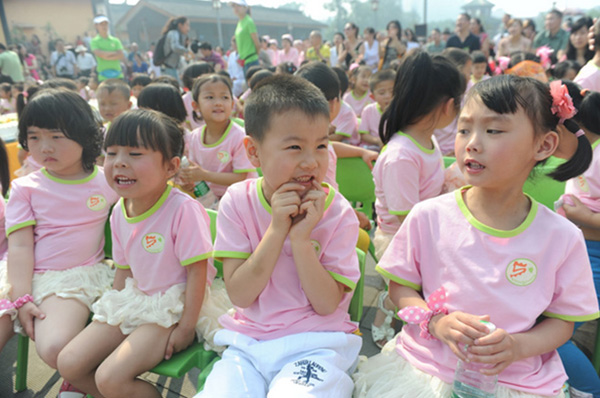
x=446 y=136
x=330 y=176
x=291 y=56
x=68 y=217
x=357 y=104
x=589 y=76
x=159 y=244
x=191 y=123
x=245 y=95
x=539 y=268
x=282 y=307
x=346 y=124
x=405 y=174
x=586 y=187
x=369 y=120
x=227 y=155
x=3 y=240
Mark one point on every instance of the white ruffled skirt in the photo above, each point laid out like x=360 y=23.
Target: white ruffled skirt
x=389 y=375
x=130 y=308
x=381 y=241
x=5 y=293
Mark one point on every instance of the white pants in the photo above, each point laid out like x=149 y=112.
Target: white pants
x=315 y=364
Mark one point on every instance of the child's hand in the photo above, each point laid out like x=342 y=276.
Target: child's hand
x=285 y=205
x=193 y=173
x=458 y=327
x=27 y=313
x=363 y=220
x=578 y=213
x=310 y=212
x=179 y=339
x=499 y=348
x=369 y=157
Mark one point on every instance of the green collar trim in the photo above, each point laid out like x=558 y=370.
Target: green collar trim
x=359 y=98
x=225 y=134
x=379 y=109
x=150 y=211
x=421 y=147
x=489 y=230
x=595 y=144
x=267 y=206
x=71 y=182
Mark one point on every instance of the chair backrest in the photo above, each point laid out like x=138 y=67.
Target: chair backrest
x=356 y=183
x=213 y=234
x=356 y=304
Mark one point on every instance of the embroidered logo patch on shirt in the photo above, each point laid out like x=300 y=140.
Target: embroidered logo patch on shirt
x=521 y=272
x=582 y=184
x=96 y=202
x=153 y=242
x=223 y=156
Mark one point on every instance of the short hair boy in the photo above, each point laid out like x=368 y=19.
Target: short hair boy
x=381 y=85
x=139 y=81
x=113 y=98
x=589 y=76
x=479 y=67
x=288 y=263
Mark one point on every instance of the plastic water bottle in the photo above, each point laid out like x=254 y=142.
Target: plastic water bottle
x=201 y=189
x=469 y=382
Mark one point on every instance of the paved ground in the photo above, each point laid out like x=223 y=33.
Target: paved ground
x=45 y=382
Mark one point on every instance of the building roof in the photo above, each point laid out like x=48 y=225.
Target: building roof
x=478 y=4
x=203 y=11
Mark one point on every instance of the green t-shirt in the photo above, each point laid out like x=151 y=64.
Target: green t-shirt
x=10 y=65
x=325 y=52
x=107 y=69
x=243 y=39
x=557 y=42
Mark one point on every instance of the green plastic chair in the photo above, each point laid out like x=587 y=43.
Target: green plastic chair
x=543 y=188
x=355 y=182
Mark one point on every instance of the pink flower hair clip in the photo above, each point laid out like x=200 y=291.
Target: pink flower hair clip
x=544 y=53
x=562 y=103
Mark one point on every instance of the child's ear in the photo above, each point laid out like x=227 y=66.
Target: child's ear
x=195 y=106
x=334 y=108
x=546 y=145
x=129 y=105
x=173 y=166
x=252 y=150
x=448 y=107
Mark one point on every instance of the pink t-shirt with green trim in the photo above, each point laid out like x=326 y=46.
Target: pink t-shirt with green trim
x=159 y=244
x=539 y=268
x=405 y=174
x=68 y=217
x=586 y=187
x=369 y=120
x=282 y=308
x=589 y=76
x=227 y=155
x=346 y=124
x=358 y=103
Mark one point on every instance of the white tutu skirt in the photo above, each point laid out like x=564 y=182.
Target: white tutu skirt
x=85 y=284
x=5 y=292
x=389 y=375
x=130 y=308
x=381 y=241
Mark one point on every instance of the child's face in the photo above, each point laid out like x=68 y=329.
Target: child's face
x=293 y=149
x=383 y=93
x=466 y=69
x=214 y=102
x=497 y=151
x=479 y=70
x=112 y=104
x=138 y=173
x=60 y=155
x=5 y=94
x=136 y=90
x=362 y=81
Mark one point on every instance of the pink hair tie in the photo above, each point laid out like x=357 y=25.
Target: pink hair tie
x=579 y=133
x=421 y=316
x=562 y=103
x=21 y=301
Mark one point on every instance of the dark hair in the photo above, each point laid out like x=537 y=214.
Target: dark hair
x=323 y=77
x=202 y=80
x=205 y=46
x=287 y=67
x=527 y=23
x=516 y=57
x=149 y=129
x=435 y=79
x=457 y=56
x=5 y=87
x=357 y=71
x=168 y=80
x=507 y=93
x=481 y=28
x=83 y=80
x=64 y=110
x=60 y=82
x=173 y=23
x=560 y=70
x=370 y=30
x=556 y=12
x=581 y=23
x=164 y=98
x=354 y=27
x=465 y=14
x=341 y=34
x=258 y=76
x=251 y=71
x=140 y=79
x=4 y=169
x=478 y=57
x=31 y=91
x=597 y=35
x=409 y=32
x=195 y=70
x=2 y=47
x=226 y=75
x=343 y=78
x=381 y=76
x=436 y=30
x=398 y=25
x=279 y=94
x=117 y=85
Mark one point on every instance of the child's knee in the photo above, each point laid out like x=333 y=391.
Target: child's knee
x=69 y=364
x=49 y=351
x=109 y=382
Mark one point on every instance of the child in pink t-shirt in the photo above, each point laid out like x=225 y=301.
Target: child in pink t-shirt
x=382 y=87
x=194 y=118
x=410 y=167
x=7 y=310
x=487 y=252
x=216 y=150
x=358 y=97
x=161 y=246
x=589 y=76
x=55 y=222
x=289 y=261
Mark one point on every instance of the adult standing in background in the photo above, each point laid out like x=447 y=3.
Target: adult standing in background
x=391 y=48
x=30 y=64
x=63 y=62
x=369 y=51
x=319 y=51
x=10 y=64
x=462 y=37
x=108 y=51
x=352 y=43
x=236 y=72
x=436 y=45
x=515 y=41
x=85 y=61
x=246 y=35
x=176 y=29
x=552 y=36
x=288 y=53
x=529 y=29
x=478 y=30
x=577 y=47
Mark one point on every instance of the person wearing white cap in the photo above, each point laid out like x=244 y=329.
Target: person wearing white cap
x=246 y=35
x=85 y=61
x=288 y=53
x=108 y=51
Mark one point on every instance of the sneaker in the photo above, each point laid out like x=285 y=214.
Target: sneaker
x=67 y=390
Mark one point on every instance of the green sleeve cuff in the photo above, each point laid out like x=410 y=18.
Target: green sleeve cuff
x=573 y=318
x=245 y=171
x=196 y=259
x=119 y=266
x=19 y=226
x=350 y=286
x=363 y=132
x=399 y=281
x=399 y=213
x=219 y=255
x=344 y=134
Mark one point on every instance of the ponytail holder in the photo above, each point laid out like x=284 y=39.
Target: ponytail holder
x=25 y=94
x=562 y=103
x=584 y=92
x=579 y=133
x=421 y=316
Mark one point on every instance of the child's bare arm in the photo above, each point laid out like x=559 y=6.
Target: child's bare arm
x=120 y=276
x=343 y=150
x=372 y=140
x=581 y=215
x=196 y=173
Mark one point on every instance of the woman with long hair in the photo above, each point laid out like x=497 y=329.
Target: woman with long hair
x=577 y=47
x=391 y=48
x=176 y=29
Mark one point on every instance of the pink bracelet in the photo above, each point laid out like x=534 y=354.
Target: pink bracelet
x=6 y=305
x=421 y=316
x=21 y=301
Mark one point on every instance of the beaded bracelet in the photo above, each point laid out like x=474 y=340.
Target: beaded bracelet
x=21 y=301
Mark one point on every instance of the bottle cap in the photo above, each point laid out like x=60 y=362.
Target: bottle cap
x=491 y=327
